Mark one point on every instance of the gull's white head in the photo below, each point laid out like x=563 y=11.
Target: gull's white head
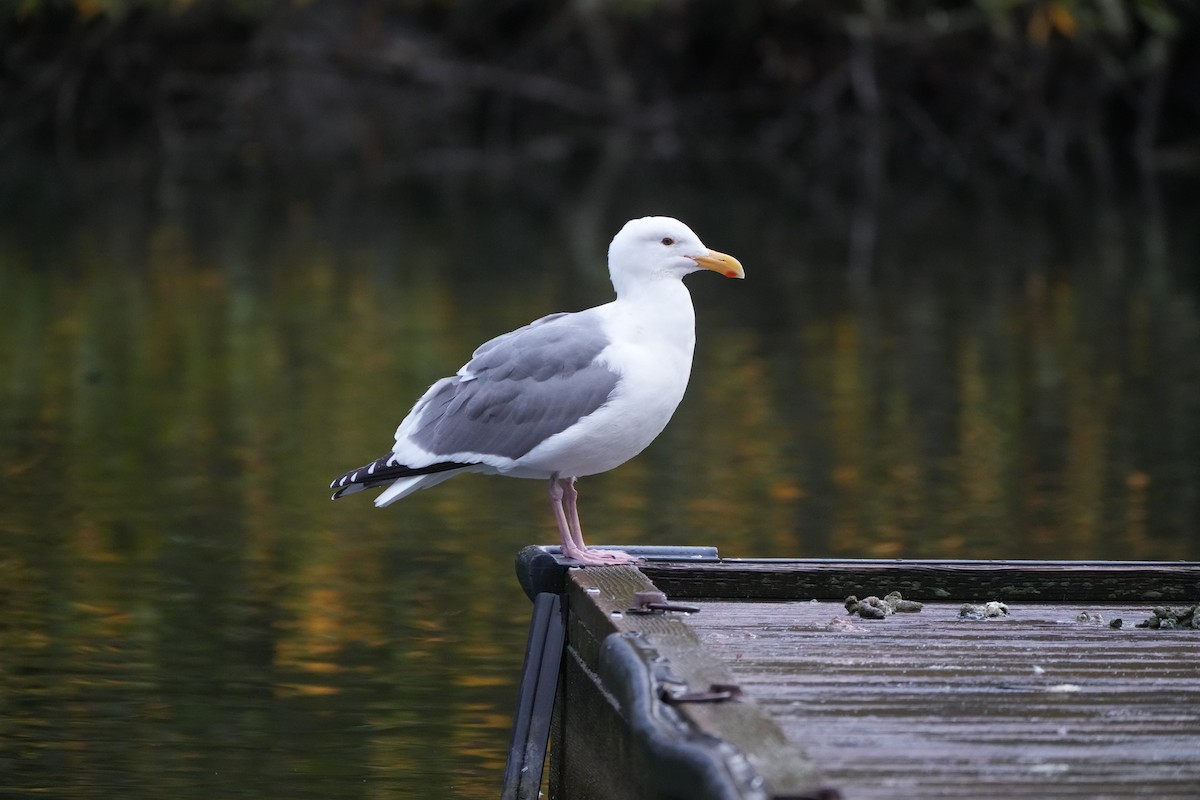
x=662 y=247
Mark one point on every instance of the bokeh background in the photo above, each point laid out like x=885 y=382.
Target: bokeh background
x=238 y=239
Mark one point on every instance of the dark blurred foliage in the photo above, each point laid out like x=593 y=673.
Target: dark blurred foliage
x=386 y=89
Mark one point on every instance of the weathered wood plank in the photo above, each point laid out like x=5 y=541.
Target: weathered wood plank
x=1039 y=704
x=927 y=705
x=598 y=600
x=931 y=580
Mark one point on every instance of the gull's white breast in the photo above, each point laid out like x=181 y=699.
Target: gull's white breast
x=651 y=345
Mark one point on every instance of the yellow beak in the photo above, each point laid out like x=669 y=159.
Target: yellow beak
x=723 y=263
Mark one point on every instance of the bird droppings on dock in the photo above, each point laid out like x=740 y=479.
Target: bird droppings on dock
x=867 y=608
x=976 y=611
x=874 y=608
x=843 y=625
x=902 y=606
x=1064 y=688
x=1165 y=618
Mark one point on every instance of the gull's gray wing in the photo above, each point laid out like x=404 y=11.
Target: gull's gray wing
x=518 y=390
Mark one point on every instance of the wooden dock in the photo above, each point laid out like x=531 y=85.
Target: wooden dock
x=772 y=690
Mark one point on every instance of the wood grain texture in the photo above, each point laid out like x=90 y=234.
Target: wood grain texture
x=927 y=705
x=1040 y=704
x=804 y=579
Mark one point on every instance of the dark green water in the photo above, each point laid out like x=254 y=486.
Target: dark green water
x=183 y=613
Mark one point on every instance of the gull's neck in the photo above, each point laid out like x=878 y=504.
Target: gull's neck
x=660 y=309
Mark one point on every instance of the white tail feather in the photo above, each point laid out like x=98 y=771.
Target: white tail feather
x=403 y=487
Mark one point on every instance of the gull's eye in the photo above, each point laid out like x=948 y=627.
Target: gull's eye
x=668 y=241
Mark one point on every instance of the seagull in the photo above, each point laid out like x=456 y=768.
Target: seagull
x=569 y=395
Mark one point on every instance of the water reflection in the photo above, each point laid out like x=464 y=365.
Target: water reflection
x=185 y=612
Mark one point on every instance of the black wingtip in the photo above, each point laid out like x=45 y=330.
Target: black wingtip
x=381 y=472
x=353 y=488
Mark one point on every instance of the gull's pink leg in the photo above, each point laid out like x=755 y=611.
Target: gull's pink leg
x=569 y=548
x=571 y=495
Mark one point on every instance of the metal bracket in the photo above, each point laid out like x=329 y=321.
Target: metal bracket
x=656 y=603
x=717 y=693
